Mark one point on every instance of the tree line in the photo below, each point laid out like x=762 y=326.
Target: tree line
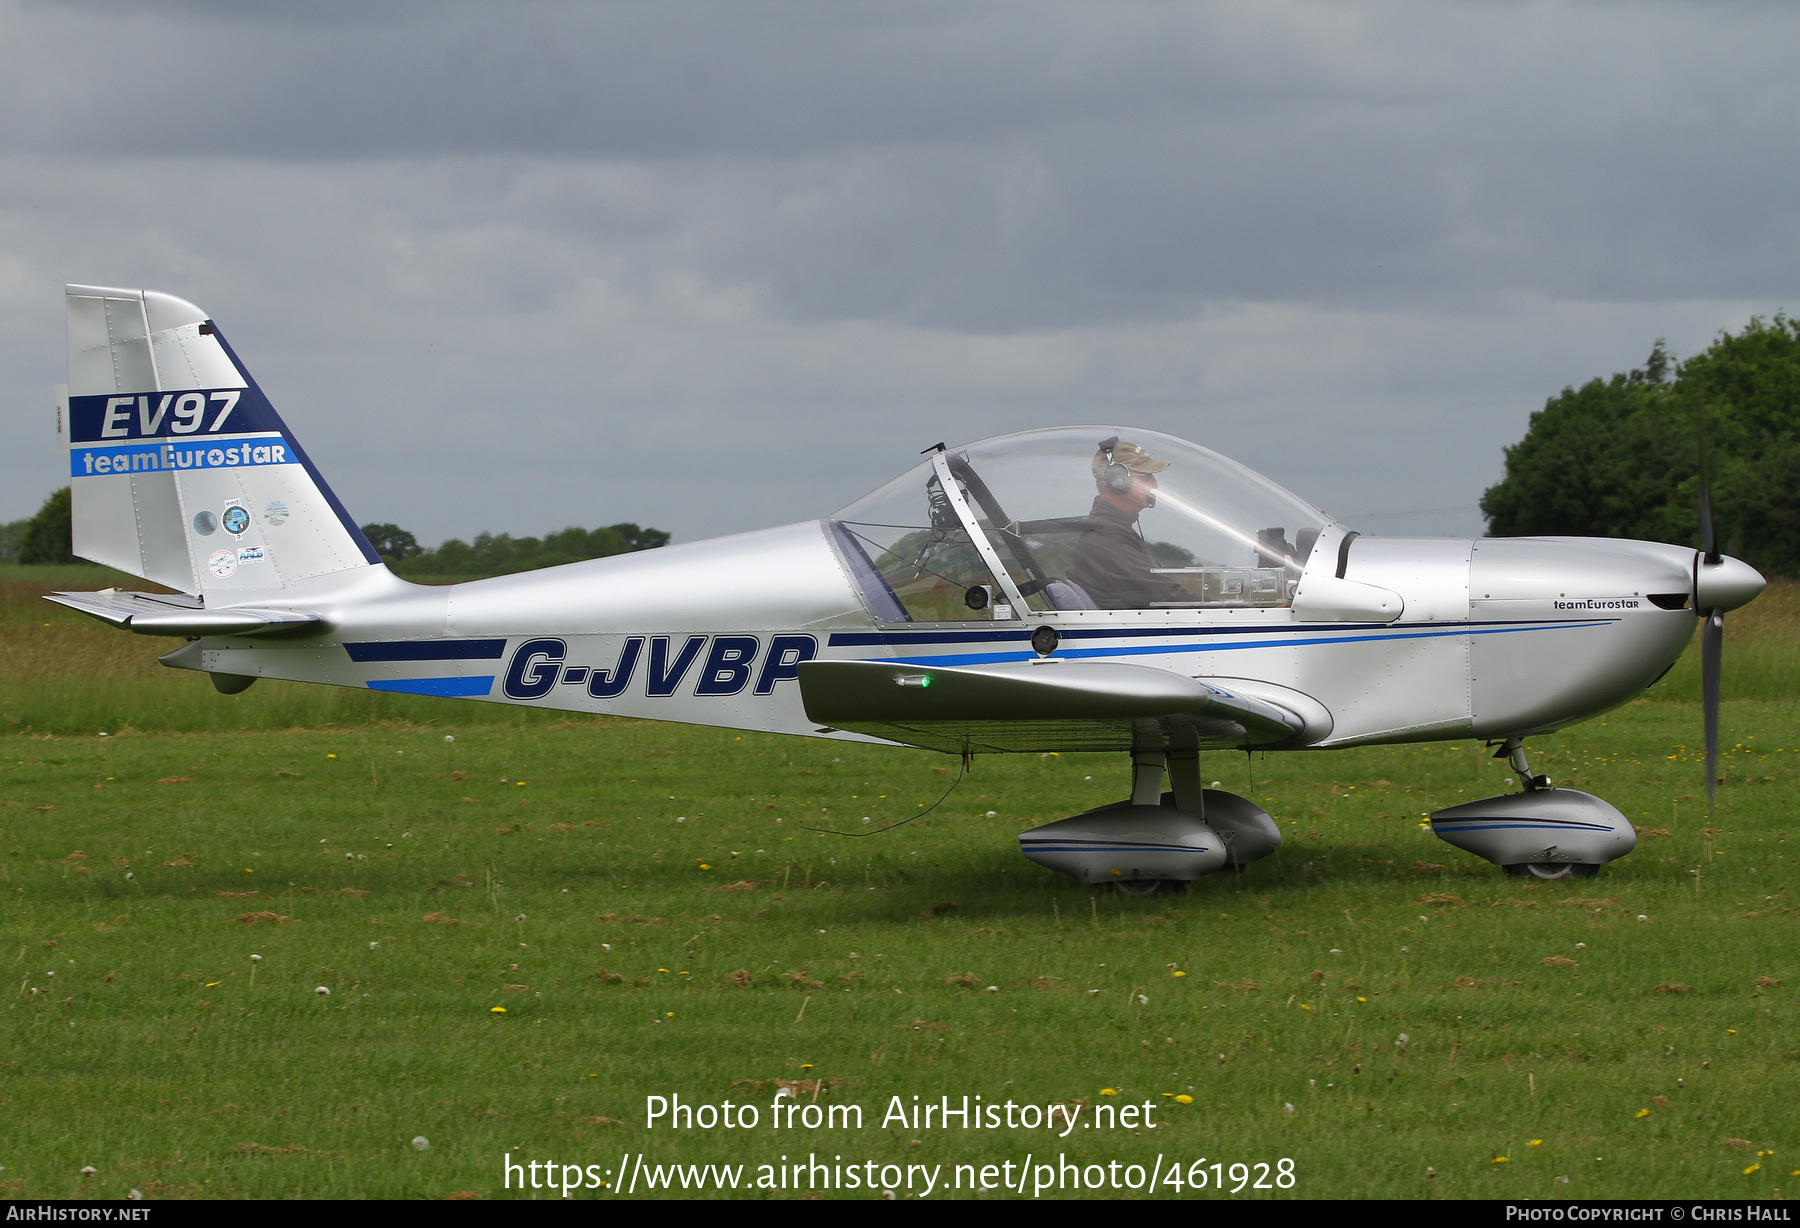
x=500 y=554
x=47 y=538
x=1621 y=457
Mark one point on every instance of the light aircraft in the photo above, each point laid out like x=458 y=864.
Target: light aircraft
x=1088 y=588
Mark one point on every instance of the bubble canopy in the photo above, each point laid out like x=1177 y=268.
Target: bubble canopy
x=1075 y=518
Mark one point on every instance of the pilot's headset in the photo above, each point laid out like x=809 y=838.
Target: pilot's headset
x=1115 y=477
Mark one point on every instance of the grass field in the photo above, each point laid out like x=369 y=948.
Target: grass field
x=643 y=901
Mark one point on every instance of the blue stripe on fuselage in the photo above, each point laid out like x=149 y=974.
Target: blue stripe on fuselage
x=446 y=688
x=1288 y=640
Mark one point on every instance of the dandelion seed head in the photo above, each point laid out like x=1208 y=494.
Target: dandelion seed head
x=421 y=1143
x=324 y=991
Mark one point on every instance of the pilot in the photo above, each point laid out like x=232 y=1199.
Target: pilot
x=1112 y=562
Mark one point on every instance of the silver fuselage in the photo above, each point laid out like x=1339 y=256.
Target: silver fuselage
x=1498 y=637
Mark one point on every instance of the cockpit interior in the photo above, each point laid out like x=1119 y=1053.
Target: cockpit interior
x=1075 y=518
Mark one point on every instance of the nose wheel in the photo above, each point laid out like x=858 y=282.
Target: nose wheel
x=1552 y=870
x=1148 y=886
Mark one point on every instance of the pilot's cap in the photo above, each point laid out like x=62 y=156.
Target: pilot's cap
x=1130 y=455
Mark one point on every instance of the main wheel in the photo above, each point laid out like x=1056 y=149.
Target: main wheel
x=1551 y=870
x=1147 y=886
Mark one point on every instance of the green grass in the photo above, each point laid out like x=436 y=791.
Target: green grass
x=156 y=1056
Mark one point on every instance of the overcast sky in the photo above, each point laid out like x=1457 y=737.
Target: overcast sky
x=712 y=267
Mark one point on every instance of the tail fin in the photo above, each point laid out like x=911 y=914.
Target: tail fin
x=182 y=472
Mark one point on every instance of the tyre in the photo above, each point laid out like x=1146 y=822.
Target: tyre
x=1551 y=870
x=1148 y=886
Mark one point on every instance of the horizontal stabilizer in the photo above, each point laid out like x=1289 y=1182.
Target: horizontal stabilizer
x=179 y=614
x=1048 y=705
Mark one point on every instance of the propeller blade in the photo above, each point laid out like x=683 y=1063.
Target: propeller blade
x=1712 y=640
x=1709 y=544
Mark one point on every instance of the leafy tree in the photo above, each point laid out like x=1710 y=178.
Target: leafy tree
x=49 y=537
x=1621 y=457
x=12 y=536
x=392 y=542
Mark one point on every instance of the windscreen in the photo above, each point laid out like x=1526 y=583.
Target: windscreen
x=1096 y=517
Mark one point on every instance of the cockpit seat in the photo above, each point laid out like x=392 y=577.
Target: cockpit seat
x=1068 y=595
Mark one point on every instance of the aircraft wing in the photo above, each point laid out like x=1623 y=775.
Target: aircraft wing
x=180 y=614
x=1037 y=705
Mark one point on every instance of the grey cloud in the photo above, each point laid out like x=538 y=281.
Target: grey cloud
x=490 y=258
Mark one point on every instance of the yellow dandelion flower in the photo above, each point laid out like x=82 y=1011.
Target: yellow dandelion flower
x=704 y=866
x=1109 y=1091
x=331 y=756
x=1362 y=999
x=1181 y=974
x=1754 y=1168
x=1305 y=1007
x=496 y=1010
x=662 y=969
x=210 y=984
x=1184 y=1099
x=1499 y=1159
x=1643 y=1112
x=1536 y=1142
x=668 y=1014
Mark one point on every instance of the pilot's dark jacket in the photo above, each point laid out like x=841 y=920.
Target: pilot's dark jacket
x=1114 y=565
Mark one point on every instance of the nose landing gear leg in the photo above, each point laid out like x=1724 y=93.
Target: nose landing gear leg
x=1513 y=751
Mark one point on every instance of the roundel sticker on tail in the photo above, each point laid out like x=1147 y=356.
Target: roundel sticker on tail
x=222 y=563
